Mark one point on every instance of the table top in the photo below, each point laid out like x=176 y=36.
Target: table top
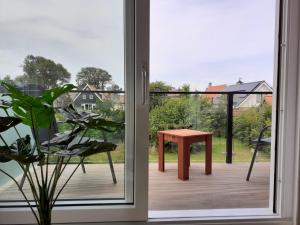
x=185 y=132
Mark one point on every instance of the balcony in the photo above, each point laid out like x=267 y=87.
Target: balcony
x=226 y=187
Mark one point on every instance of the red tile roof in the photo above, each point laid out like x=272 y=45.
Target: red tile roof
x=212 y=88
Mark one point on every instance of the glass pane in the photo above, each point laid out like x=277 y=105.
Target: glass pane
x=225 y=48
x=45 y=45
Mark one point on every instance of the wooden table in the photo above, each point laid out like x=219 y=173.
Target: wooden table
x=183 y=138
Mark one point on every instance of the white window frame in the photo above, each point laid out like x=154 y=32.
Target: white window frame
x=136 y=67
x=288 y=142
x=91 y=96
x=83 y=96
x=287 y=183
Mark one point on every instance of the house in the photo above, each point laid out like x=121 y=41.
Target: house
x=86 y=100
x=29 y=89
x=214 y=88
x=244 y=101
x=88 y=96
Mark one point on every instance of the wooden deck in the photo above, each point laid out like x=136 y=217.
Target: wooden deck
x=226 y=187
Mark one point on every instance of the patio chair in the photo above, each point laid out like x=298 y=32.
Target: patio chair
x=71 y=113
x=259 y=142
x=66 y=140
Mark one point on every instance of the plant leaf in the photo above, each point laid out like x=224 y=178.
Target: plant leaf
x=97 y=123
x=91 y=147
x=64 y=138
x=29 y=108
x=6 y=154
x=49 y=96
x=3 y=158
x=8 y=122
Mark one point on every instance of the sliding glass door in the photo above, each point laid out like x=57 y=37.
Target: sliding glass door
x=101 y=47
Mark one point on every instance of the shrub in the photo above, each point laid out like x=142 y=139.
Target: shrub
x=248 y=124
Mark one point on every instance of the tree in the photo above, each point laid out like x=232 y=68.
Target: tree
x=172 y=114
x=248 y=123
x=45 y=72
x=93 y=76
x=7 y=79
x=21 y=79
x=185 y=88
x=114 y=87
x=107 y=109
x=156 y=99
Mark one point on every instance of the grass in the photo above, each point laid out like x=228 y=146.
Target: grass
x=242 y=153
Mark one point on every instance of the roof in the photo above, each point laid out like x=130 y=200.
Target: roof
x=117 y=98
x=214 y=88
x=268 y=99
x=246 y=87
x=86 y=87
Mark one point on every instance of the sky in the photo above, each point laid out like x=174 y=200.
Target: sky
x=75 y=33
x=191 y=41
x=218 y=41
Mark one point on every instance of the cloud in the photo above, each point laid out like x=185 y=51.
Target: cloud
x=75 y=33
x=191 y=41
x=201 y=41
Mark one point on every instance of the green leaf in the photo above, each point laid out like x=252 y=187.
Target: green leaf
x=97 y=123
x=89 y=148
x=50 y=95
x=31 y=110
x=8 y=122
x=6 y=154
x=23 y=145
x=64 y=138
x=3 y=157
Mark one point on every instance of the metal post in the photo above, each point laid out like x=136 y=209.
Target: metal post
x=229 y=128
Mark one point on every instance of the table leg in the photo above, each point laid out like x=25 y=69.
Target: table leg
x=183 y=162
x=189 y=157
x=208 y=154
x=161 y=153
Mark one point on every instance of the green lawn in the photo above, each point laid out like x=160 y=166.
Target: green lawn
x=242 y=153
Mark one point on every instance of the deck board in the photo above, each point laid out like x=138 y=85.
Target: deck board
x=226 y=187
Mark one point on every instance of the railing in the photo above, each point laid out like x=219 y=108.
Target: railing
x=230 y=107
x=229 y=129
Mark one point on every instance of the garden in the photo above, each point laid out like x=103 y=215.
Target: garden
x=195 y=111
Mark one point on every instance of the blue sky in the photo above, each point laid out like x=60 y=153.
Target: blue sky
x=192 y=41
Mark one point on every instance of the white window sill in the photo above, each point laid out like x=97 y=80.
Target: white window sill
x=217 y=216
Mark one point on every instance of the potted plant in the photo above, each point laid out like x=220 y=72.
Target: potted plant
x=33 y=156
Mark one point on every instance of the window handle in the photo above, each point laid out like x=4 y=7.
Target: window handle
x=144 y=84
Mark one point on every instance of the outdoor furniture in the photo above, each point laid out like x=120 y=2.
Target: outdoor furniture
x=260 y=141
x=184 y=138
x=69 y=138
x=72 y=114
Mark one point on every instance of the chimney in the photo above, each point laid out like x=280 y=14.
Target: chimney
x=240 y=81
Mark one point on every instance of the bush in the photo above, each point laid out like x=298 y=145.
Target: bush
x=172 y=114
x=248 y=124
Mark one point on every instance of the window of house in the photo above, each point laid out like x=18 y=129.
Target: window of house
x=84 y=96
x=91 y=96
